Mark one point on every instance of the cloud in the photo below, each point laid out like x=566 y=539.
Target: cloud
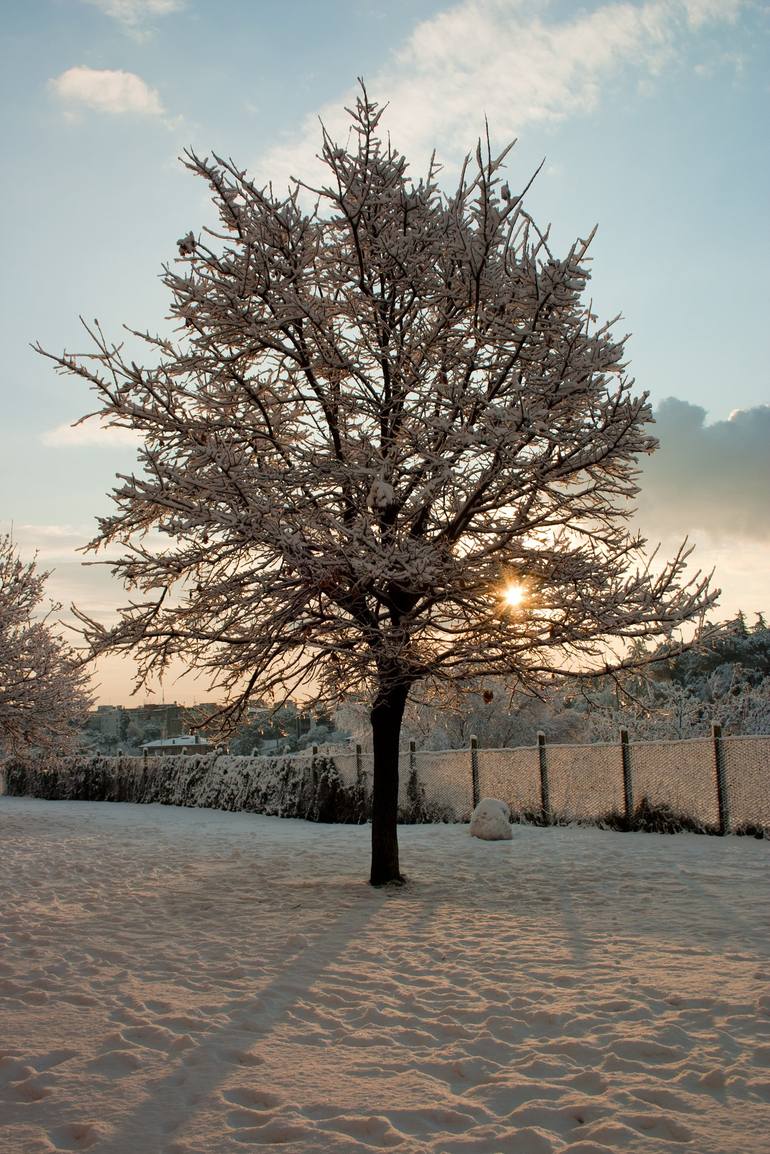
x=134 y=15
x=707 y=11
x=520 y=64
x=49 y=542
x=714 y=478
x=89 y=434
x=106 y=90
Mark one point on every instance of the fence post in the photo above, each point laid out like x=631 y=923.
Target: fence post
x=412 y=758
x=359 y=765
x=475 y=770
x=719 y=765
x=545 y=792
x=628 y=784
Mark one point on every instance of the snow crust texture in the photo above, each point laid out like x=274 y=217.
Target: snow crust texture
x=188 y=981
x=491 y=820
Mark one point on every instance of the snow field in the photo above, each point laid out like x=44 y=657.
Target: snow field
x=194 y=982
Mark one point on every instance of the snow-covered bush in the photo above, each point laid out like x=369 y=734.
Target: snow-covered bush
x=281 y=786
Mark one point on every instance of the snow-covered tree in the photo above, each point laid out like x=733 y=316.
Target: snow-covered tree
x=654 y=710
x=389 y=445
x=43 y=686
x=722 y=678
x=661 y=710
x=494 y=715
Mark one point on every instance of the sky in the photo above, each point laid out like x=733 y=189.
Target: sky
x=652 y=119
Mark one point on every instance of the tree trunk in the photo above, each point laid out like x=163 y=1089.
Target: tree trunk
x=387 y=713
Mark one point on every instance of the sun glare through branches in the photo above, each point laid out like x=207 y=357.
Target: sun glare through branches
x=514 y=595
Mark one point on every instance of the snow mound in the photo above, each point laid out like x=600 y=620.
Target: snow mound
x=491 y=820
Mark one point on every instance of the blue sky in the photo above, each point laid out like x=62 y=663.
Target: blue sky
x=652 y=117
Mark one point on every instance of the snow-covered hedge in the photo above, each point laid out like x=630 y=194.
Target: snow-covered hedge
x=280 y=786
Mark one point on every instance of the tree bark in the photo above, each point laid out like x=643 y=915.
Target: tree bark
x=386 y=716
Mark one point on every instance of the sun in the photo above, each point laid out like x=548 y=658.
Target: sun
x=514 y=594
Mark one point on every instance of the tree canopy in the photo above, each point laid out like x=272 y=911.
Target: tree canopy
x=377 y=415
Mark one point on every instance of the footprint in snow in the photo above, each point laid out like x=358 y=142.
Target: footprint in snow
x=253 y=1097
x=75 y=1135
x=151 y=1037
x=116 y=1063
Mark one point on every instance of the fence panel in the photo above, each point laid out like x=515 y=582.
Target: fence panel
x=512 y=775
x=747 y=773
x=446 y=778
x=403 y=775
x=347 y=765
x=586 y=781
x=680 y=774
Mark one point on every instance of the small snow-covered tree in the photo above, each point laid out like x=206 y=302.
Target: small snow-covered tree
x=43 y=686
x=377 y=416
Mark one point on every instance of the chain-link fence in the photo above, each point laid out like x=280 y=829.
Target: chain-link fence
x=719 y=783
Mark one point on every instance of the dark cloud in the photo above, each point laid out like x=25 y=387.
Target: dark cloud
x=711 y=477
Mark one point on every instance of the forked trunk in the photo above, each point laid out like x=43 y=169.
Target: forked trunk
x=387 y=714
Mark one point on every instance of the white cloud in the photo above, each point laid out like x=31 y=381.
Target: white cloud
x=707 y=11
x=712 y=478
x=49 y=542
x=510 y=60
x=133 y=15
x=88 y=434
x=106 y=90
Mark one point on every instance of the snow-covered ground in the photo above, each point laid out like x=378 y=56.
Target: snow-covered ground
x=196 y=981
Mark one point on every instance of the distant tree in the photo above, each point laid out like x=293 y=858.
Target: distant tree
x=728 y=644
x=247 y=737
x=43 y=686
x=654 y=710
x=668 y=710
x=496 y=716
x=722 y=677
x=389 y=445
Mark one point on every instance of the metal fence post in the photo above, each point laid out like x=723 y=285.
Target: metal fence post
x=628 y=784
x=475 y=770
x=545 y=792
x=359 y=766
x=719 y=765
x=412 y=757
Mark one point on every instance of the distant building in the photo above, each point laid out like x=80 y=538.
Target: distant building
x=131 y=728
x=171 y=746
x=106 y=719
x=167 y=718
